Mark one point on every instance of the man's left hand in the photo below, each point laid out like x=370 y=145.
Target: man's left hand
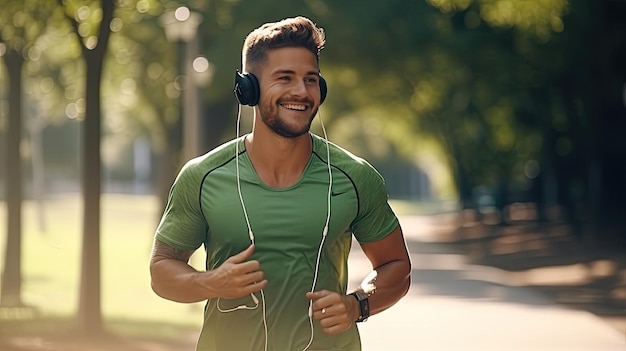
x=335 y=312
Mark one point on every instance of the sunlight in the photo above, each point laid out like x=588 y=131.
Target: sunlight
x=539 y=16
x=448 y=6
x=574 y=274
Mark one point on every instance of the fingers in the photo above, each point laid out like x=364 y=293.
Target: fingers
x=251 y=277
x=253 y=287
x=238 y=276
x=323 y=297
x=334 y=325
x=330 y=309
x=242 y=256
x=333 y=319
x=244 y=271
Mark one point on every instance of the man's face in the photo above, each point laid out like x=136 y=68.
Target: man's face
x=290 y=90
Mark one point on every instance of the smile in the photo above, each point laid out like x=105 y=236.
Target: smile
x=296 y=107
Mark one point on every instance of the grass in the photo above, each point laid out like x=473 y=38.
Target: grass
x=51 y=265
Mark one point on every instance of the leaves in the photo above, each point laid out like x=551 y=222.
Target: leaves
x=486 y=79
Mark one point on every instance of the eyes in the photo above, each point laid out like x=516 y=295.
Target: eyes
x=312 y=80
x=308 y=80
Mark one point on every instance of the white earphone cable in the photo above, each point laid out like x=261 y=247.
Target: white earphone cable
x=243 y=206
x=324 y=232
x=251 y=234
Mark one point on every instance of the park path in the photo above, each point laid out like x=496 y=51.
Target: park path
x=453 y=305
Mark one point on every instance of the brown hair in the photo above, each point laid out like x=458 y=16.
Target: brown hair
x=291 y=32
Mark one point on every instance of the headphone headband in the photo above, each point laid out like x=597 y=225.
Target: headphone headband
x=248 y=92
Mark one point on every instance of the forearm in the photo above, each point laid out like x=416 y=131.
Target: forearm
x=177 y=281
x=174 y=279
x=392 y=265
x=391 y=282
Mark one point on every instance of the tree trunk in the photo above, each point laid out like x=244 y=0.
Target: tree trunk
x=89 y=308
x=11 y=287
x=89 y=304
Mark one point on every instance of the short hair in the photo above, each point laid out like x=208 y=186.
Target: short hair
x=290 y=32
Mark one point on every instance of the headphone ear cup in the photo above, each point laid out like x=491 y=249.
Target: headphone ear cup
x=247 y=88
x=323 y=89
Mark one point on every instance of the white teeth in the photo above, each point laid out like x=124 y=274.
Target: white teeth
x=295 y=107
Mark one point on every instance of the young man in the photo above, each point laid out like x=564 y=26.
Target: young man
x=276 y=210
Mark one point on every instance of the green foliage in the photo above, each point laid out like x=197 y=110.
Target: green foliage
x=33 y=28
x=486 y=85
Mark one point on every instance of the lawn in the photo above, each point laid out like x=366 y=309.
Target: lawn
x=51 y=268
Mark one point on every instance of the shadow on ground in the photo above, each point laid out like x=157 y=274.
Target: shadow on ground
x=49 y=334
x=585 y=272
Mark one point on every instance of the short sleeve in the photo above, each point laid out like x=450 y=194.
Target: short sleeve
x=375 y=219
x=182 y=225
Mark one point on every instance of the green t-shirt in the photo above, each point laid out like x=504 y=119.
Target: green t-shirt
x=204 y=209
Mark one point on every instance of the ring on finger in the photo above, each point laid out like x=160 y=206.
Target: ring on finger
x=323 y=310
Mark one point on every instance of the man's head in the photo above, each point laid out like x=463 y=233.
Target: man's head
x=290 y=32
x=281 y=75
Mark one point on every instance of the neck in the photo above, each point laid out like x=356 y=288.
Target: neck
x=278 y=161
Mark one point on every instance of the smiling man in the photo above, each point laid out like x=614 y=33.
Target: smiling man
x=276 y=211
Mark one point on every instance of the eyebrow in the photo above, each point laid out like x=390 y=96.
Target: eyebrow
x=290 y=71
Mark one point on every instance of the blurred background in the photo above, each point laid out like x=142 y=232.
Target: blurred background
x=506 y=118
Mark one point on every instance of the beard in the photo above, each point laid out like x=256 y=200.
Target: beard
x=279 y=125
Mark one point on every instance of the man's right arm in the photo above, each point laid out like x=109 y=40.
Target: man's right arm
x=174 y=279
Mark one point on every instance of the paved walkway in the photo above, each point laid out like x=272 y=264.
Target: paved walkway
x=456 y=306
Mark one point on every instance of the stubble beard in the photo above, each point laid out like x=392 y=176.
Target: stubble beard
x=272 y=119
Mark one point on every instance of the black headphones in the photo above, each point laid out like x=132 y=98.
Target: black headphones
x=248 y=92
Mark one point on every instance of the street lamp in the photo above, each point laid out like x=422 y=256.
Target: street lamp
x=180 y=27
x=202 y=71
x=200 y=75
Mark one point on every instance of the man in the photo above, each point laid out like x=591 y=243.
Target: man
x=276 y=210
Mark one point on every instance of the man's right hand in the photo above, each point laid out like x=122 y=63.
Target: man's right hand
x=236 y=277
x=174 y=279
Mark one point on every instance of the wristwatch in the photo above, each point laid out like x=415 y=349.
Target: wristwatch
x=364 y=305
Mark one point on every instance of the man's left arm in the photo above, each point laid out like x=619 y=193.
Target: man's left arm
x=391 y=280
x=392 y=272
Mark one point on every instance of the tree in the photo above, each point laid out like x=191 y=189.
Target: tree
x=10 y=295
x=91 y=23
x=21 y=23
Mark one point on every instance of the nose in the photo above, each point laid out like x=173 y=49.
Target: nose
x=300 y=88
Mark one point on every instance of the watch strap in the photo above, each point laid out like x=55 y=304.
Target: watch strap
x=364 y=305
